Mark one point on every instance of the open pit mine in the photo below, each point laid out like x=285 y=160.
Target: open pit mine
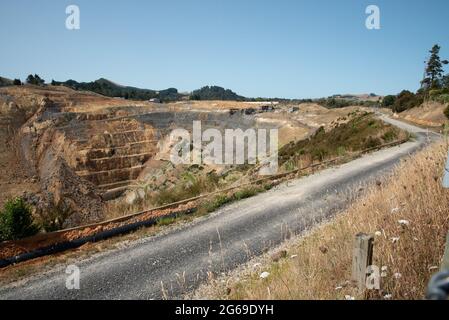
x=74 y=153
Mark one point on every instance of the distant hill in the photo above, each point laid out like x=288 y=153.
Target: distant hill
x=215 y=93
x=359 y=97
x=5 y=82
x=347 y=100
x=111 y=89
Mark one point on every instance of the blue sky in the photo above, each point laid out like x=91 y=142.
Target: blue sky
x=292 y=49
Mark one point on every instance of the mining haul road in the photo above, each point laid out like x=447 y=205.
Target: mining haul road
x=178 y=260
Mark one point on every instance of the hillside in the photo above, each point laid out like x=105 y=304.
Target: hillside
x=111 y=89
x=5 y=82
x=429 y=114
x=215 y=93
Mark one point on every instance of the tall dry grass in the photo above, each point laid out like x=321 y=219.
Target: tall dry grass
x=409 y=215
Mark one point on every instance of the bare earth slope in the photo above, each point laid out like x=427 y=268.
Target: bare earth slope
x=428 y=114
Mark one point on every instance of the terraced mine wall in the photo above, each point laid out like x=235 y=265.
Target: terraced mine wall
x=83 y=159
x=111 y=153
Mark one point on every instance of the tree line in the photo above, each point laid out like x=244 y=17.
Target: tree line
x=434 y=86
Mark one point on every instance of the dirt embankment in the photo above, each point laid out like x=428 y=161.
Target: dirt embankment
x=64 y=199
x=429 y=114
x=14 y=174
x=33 y=152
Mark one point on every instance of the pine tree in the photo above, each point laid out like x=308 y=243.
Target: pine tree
x=434 y=69
x=39 y=80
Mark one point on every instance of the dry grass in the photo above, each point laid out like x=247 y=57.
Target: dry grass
x=321 y=263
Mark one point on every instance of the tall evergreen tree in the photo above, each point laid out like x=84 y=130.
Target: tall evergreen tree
x=434 y=69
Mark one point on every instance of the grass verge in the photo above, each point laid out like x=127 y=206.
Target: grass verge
x=409 y=215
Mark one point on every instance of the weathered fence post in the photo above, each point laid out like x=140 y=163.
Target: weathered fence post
x=445 y=262
x=438 y=287
x=446 y=174
x=362 y=258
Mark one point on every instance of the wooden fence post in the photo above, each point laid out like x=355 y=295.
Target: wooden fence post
x=445 y=262
x=362 y=257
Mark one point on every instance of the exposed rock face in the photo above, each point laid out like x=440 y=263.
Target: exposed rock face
x=63 y=188
x=40 y=157
x=64 y=195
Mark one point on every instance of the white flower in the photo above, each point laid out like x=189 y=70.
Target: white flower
x=264 y=275
x=397 y=275
x=395 y=239
x=348 y=297
x=388 y=296
x=404 y=222
x=378 y=233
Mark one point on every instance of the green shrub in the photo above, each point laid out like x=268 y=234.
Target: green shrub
x=16 y=221
x=54 y=217
x=437 y=92
x=390 y=135
x=443 y=98
x=319 y=153
x=191 y=186
x=290 y=165
x=246 y=193
x=407 y=100
x=341 y=151
x=217 y=202
x=165 y=221
x=388 y=101
x=372 y=142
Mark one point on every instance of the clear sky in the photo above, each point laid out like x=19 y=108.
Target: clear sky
x=292 y=49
